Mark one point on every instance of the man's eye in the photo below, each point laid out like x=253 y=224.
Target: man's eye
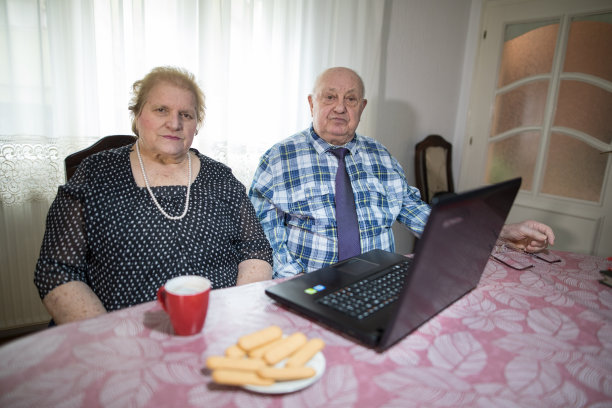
x=187 y=115
x=160 y=109
x=329 y=98
x=352 y=101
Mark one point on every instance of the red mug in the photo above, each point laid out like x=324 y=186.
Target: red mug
x=185 y=299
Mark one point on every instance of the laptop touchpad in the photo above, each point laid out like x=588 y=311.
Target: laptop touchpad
x=356 y=266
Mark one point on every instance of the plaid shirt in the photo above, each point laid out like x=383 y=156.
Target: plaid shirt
x=293 y=194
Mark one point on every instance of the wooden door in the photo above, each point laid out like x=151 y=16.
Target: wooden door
x=541 y=109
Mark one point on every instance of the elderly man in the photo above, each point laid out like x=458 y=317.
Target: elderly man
x=295 y=189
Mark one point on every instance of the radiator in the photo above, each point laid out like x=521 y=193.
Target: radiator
x=21 y=231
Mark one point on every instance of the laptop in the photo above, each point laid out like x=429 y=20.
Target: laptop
x=379 y=297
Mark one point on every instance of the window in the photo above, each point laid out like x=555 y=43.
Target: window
x=68 y=67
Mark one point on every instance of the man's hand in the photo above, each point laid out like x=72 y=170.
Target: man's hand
x=530 y=236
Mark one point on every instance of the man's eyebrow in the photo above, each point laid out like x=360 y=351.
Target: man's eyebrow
x=336 y=90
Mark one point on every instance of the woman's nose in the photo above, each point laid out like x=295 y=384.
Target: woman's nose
x=174 y=122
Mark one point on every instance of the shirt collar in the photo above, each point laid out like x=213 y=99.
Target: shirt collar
x=321 y=146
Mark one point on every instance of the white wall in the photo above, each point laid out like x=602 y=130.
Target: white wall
x=425 y=79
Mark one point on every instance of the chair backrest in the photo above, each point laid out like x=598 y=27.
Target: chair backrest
x=433 y=168
x=72 y=161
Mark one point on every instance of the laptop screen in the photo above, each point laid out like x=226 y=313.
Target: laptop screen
x=452 y=253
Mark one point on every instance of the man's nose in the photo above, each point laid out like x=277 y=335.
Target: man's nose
x=340 y=107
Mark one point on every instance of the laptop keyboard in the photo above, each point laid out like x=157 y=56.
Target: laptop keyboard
x=364 y=297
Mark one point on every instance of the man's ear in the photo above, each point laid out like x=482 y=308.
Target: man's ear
x=311 y=104
x=363 y=104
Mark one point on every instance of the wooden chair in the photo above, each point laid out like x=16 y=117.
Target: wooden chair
x=433 y=167
x=72 y=161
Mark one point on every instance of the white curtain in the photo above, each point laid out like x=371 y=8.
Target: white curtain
x=67 y=67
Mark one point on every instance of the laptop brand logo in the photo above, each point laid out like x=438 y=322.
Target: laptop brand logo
x=314 y=289
x=452 y=221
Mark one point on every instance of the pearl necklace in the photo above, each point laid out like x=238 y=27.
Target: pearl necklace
x=146 y=180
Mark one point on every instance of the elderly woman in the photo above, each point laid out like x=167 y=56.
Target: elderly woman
x=131 y=218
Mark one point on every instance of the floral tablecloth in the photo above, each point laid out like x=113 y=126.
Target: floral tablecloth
x=539 y=337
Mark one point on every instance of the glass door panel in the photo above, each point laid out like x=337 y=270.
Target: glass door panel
x=512 y=157
x=589 y=46
x=574 y=169
x=521 y=106
x=528 y=50
x=586 y=108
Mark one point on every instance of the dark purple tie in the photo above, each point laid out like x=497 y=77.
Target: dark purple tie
x=346 y=214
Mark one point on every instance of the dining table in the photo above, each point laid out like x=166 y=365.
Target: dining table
x=534 y=335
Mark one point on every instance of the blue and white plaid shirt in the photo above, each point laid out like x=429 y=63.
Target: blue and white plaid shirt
x=293 y=194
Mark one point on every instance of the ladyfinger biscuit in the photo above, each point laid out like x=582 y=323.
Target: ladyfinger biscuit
x=259 y=338
x=260 y=351
x=242 y=364
x=234 y=377
x=285 y=348
x=285 y=373
x=234 y=351
x=305 y=353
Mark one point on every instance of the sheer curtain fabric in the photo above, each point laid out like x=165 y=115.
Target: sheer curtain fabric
x=67 y=68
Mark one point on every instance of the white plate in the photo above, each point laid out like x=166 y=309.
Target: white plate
x=281 y=387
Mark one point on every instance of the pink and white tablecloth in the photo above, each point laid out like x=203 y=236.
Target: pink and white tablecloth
x=541 y=337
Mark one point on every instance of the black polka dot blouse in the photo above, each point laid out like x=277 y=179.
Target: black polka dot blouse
x=104 y=230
